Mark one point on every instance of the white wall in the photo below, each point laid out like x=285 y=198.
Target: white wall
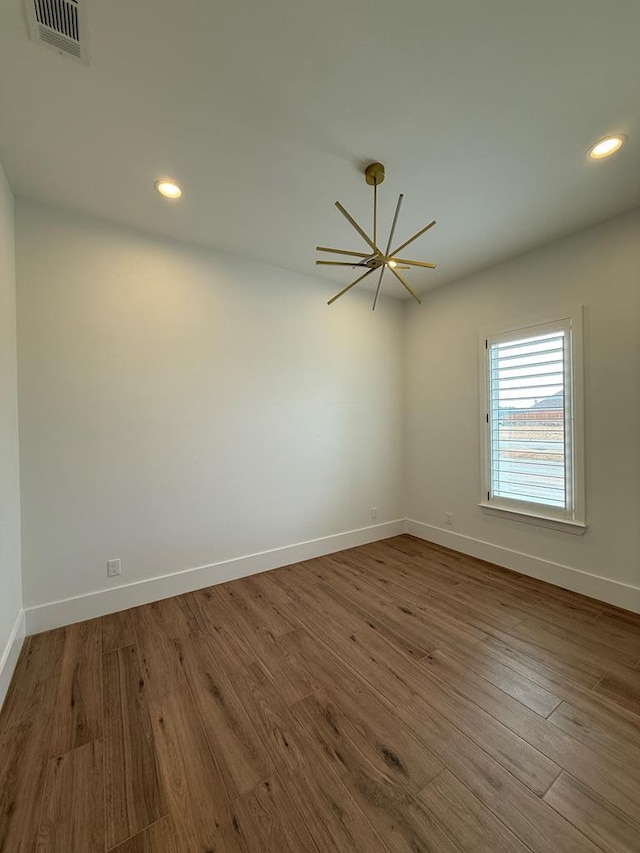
x=178 y=407
x=599 y=268
x=10 y=579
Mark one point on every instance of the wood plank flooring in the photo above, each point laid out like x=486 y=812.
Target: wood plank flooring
x=397 y=697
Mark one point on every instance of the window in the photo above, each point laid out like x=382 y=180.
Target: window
x=532 y=422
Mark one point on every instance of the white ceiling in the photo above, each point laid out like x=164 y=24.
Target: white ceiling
x=267 y=111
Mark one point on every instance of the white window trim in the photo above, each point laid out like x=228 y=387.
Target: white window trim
x=574 y=520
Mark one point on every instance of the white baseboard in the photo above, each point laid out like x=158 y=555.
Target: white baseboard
x=604 y=589
x=10 y=654
x=58 y=613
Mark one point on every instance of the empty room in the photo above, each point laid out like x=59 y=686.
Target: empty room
x=319 y=426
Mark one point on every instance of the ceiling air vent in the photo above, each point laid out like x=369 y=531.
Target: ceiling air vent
x=61 y=25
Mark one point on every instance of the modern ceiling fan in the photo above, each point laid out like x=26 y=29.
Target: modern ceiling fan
x=376 y=259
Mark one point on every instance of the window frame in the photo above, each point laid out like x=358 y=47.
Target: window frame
x=573 y=518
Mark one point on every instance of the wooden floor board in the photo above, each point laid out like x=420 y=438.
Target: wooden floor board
x=40 y=660
x=378 y=788
x=24 y=748
x=577 y=643
x=565 y=685
x=510 y=748
x=241 y=759
x=195 y=792
x=543 y=650
x=623 y=688
x=612 y=829
x=346 y=618
x=232 y=646
x=157 y=838
x=522 y=604
x=399 y=748
x=418 y=619
x=380 y=663
x=397 y=697
x=278 y=730
x=530 y=694
x=73 y=812
x=471 y=825
x=333 y=818
x=602 y=730
x=267 y=821
x=542 y=830
x=77 y=717
x=557 y=746
x=170 y=617
x=157 y=656
x=134 y=797
x=117 y=630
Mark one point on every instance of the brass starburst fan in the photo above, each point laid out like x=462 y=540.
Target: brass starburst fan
x=376 y=259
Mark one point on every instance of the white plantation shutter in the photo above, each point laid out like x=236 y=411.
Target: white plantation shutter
x=528 y=454
x=530 y=459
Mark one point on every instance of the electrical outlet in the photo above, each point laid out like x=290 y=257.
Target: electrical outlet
x=449 y=518
x=374 y=512
x=114 y=567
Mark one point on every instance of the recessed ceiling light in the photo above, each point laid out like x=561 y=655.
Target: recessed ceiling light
x=607 y=146
x=168 y=188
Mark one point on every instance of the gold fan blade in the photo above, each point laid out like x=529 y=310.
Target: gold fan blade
x=395 y=221
x=364 y=236
x=343 y=252
x=348 y=287
x=415 y=263
x=415 y=237
x=375 y=298
x=342 y=264
x=404 y=284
